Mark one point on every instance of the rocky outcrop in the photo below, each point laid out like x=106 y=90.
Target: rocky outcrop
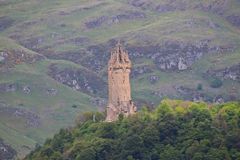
x=31 y=118
x=232 y=73
x=8 y=87
x=173 y=5
x=52 y=91
x=33 y=43
x=80 y=8
x=140 y=70
x=98 y=101
x=10 y=58
x=176 y=55
x=5 y=22
x=234 y=19
x=198 y=96
x=26 y=89
x=190 y=94
x=79 y=79
x=6 y=151
x=79 y=40
x=106 y=20
x=153 y=79
x=93 y=58
x=167 y=56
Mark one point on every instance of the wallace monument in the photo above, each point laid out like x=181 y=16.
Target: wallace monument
x=119 y=89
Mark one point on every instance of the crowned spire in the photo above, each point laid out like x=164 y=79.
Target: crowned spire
x=119 y=55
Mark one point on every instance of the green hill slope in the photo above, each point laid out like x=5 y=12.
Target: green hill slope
x=53 y=57
x=174 y=130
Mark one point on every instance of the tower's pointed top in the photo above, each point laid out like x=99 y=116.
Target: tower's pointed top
x=119 y=43
x=119 y=55
x=119 y=47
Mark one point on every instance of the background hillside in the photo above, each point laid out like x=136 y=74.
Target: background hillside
x=53 y=57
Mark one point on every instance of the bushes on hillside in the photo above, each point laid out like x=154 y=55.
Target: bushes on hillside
x=174 y=130
x=216 y=83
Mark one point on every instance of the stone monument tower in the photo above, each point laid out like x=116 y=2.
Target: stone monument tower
x=119 y=89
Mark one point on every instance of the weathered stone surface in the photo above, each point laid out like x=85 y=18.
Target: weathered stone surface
x=167 y=55
x=9 y=58
x=234 y=19
x=26 y=89
x=98 y=101
x=232 y=73
x=176 y=55
x=192 y=94
x=79 y=79
x=173 y=5
x=137 y=71
x=6 y=151
x=52 y=91
x=119 y=90
x=218 y=99
x=128 y=15
x=8 y=87
x=5 y=22
x=31 y=118
x=2 y=59
x=153 y=79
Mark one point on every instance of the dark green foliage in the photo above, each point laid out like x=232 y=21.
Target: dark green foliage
x=90 y=116
x=216 y=83
x=199 y=87
x=87 y=154
x=175 y=130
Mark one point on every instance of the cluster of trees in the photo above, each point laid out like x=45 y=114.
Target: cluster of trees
x=175 y=130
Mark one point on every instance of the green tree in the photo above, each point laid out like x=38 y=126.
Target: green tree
x=216 y=83
x=199 y=87
x=87 y=154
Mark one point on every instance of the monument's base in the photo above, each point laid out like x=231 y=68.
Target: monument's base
x=124 y=108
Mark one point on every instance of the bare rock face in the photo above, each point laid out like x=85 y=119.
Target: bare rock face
x=98 y=101
x=218 y=99
x=119 y=90
x=5 y=22
x=31 y=118
x=9 y=58
x=78 y=79
x=8 y=87
x=2 y=59
x=176 y=55
x=172 y=56
x=234 y=19
x=26 y=89
x=52 y=91
x=181 y=64
x=128 y=15
x=232 y=73
x=137 y=71
x=173 y=5
x=6 y=151
x=192 y=94
x=153 y=79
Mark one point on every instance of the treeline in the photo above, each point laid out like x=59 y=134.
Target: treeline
x=175 y=130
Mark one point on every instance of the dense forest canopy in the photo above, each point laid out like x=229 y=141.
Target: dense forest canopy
x=175 y=130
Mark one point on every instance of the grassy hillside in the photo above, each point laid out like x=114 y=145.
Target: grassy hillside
x=53 y=57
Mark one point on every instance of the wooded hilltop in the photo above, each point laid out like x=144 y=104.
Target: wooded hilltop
x=175 y=130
